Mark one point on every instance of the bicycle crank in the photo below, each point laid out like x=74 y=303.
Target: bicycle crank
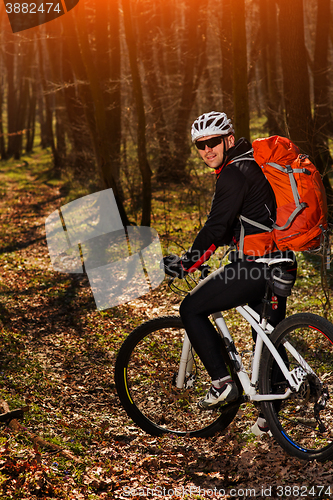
x=189 y=381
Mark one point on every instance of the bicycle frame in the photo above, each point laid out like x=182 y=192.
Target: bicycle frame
x=263 y=329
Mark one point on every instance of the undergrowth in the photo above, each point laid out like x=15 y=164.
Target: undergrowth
x=58 y=352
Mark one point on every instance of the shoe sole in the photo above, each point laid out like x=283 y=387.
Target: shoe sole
x=206 y=406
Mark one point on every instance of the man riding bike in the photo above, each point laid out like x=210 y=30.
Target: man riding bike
x=241 y=190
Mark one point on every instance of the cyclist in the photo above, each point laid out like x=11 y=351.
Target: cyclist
x=241 y=189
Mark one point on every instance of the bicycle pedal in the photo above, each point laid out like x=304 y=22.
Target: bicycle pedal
x=257 y=431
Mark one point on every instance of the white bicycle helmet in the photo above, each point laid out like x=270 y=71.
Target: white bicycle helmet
x=212 y=123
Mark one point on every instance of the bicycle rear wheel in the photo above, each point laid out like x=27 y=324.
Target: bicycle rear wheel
x=145 y=373
x=303 y=423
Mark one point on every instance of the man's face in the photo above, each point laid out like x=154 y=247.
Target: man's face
x=213 y=157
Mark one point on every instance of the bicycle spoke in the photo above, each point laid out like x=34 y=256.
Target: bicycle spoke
x=151 y=370
x=303 y=423
x=147 y=367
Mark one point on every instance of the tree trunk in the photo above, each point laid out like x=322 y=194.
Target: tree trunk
x=44 y=139
x=321 y=68
x=79 y=105
x=3 y=153
x=60 y=133
x=168 y=28
x=109 y=70
x=10 y=59
x=194 y=53
x=272 y=96
x=225 y=26
x=253 y=80
x=54 y=45
x=115 y=118
x=23 y=64
x=21 y=118
x=296 y=87
x=49 y=104
x=31 y=116
x=147 y=35
x=141 y=125
x=240 y=89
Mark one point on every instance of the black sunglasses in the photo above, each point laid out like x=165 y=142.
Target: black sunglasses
x=211 y=143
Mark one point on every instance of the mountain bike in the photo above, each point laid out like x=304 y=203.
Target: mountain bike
x=159 y=378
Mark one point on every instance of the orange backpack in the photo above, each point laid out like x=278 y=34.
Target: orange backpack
x=301 y=216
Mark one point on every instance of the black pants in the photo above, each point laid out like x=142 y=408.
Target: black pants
x=238 y=283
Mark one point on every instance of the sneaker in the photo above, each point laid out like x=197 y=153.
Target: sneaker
x=260 y=428
x=216 y=396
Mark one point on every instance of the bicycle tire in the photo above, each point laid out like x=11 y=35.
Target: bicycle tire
x=293 y=422
x=144 y=377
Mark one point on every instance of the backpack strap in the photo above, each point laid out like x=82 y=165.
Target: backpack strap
x=248 y=155
x=299 y=205
x=242 y=231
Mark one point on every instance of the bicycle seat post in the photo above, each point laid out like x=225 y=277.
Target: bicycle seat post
x=266 y=302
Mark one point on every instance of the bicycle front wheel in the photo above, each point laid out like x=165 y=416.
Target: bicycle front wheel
x=145 y=373
x=303 y=423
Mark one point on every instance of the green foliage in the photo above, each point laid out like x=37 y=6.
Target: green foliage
x=258 y=126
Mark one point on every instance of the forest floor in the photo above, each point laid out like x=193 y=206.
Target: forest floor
x=57 y=357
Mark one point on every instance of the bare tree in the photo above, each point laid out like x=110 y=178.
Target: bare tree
x=10 y=56
x=48 y=97
x=148 y=33
x=3 y=153
x=31 y=114
x=225 y=25
x=108 y=65
x=296 y=86
x=321 y=82
x=193 y=66
x=270 y=71
x=141 y=117
x=239 y=56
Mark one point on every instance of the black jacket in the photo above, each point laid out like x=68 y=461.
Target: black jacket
x=241 y=188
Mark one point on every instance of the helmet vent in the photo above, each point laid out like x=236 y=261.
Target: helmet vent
x=213 y=123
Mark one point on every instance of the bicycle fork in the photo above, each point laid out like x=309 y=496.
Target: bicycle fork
x=186 y=363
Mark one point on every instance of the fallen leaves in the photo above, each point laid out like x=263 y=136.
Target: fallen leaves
x=57 y=355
